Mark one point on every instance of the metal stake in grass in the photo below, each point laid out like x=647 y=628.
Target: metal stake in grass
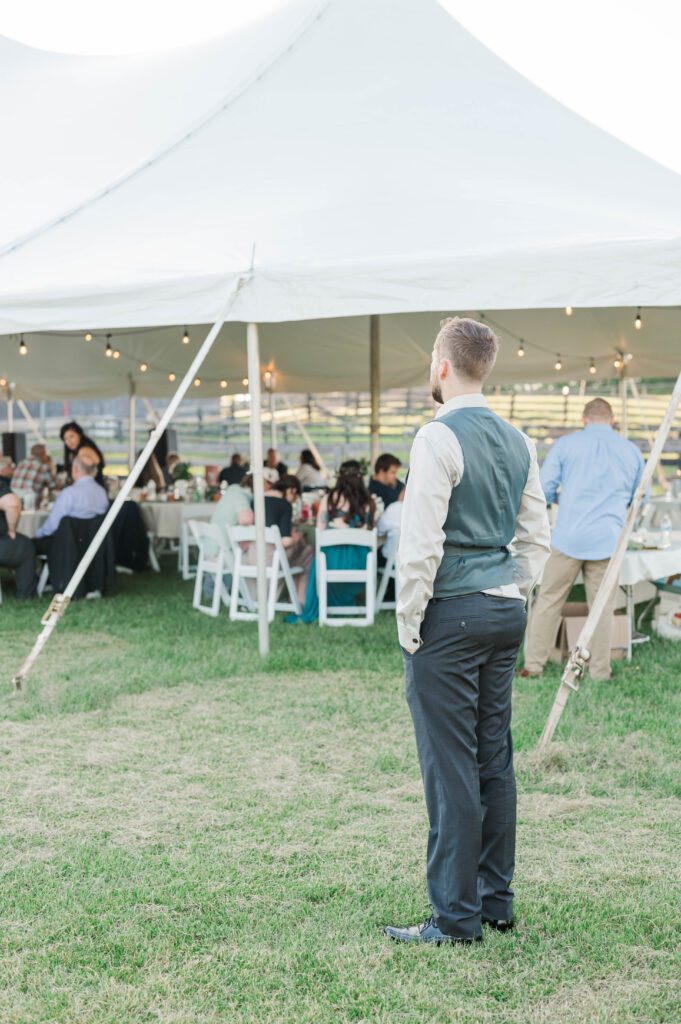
x=60 y=602
x=579 y=658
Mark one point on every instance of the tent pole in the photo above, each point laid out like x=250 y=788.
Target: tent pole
x=258 y=485
x=29 y=419
x=60 y=602
x=374 y=385
x=623 y=400
x=579 y=657
x=131 y=424
x=306 y=437
x=273 y=424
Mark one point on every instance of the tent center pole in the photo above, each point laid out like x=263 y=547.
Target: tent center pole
x=374 y=386
x=253 y=348
x=132 y=409
x=273 y=423
x=624 y=426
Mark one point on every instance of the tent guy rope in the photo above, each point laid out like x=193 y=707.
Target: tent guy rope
x=579 y=657
x=60 y=602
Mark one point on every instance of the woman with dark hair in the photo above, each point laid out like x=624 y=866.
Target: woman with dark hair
x=309 y=471
x=74 y=438
x=348 y=505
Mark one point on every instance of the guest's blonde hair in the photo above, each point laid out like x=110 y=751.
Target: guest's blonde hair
x=470 y=347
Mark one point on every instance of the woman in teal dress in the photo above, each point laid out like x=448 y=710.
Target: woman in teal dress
x=349 y=504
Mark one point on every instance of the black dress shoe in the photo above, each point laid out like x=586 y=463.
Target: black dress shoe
x=427 y=932
x=499 y=924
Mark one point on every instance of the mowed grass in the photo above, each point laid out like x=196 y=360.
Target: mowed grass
x=191 y=835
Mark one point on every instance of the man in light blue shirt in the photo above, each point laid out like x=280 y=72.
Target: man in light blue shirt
x=83 y=499
x=593 y=476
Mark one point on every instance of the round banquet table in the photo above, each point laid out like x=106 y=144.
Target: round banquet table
x=164 y=518
x=30 y=522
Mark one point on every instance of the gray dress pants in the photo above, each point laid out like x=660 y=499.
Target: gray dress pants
x=458 y=687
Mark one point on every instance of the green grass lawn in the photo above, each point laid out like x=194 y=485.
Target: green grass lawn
x=190 y=835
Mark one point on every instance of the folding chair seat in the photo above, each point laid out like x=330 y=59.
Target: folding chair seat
x=278 y=572
x=353 y=614
x=186 y=542
x=215 y=559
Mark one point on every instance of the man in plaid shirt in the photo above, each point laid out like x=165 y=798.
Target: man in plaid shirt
x=35 y=472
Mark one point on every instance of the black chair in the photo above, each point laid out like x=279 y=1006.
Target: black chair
x=68 y=544
x=131 y=541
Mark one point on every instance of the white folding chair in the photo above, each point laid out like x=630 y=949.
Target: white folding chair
x=353 y=614
x=215 y=558
x=185 y=566
x=389 y=573
x=44 y=575
x=278 y=571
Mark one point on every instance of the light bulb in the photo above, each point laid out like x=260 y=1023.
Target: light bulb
x=521 y=349
x=23 y=347
x=558 y=364
x=88 y=336
x=116 y=354
x=185 y=337
x=565 y=390
x=245 y=382
x=172 y=377
x=197 y=382
x=617 y=363
x=592 y=367
x=568 y=311
x=144 y=367
x=638 y=323
x=223 y=383
x=3 y=382
x=108 y=351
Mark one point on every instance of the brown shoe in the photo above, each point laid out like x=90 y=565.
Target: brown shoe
x=524 y=673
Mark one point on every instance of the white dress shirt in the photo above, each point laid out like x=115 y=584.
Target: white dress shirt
x=436 y=466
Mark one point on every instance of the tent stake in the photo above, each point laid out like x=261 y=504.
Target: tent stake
x=579 y=657
x=60 y=602
x=258 y=485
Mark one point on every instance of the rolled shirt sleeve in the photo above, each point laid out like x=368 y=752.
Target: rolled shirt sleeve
x=532 y=543
x=435 y=467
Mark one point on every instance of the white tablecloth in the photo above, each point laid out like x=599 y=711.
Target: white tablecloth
x=164 y=518
x=649 y=565
x=30 y=522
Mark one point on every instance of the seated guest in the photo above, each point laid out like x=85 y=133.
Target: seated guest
x=35 y=472
x=389 y=525
x=235 y=507
x=83 y=499
x=593 y=474
x=235 y=472
x=16 y=551
x=279 y=501
x=73 y=436
x=272 y=462
x=348 y=505
x=309 y=471
x=171 y=460
x=384 y=483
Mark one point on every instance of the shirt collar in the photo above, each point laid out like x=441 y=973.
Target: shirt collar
x=597 y=426
x=476 y=401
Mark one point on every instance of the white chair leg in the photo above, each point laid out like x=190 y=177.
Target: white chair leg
x=42 y=579
x=321 y=589
x=153 y=560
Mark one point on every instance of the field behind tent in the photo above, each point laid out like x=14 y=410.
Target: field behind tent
x=189 y=835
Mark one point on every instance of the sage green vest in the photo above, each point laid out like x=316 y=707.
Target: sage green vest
x=483 y=507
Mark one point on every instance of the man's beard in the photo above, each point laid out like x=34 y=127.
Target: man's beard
x=436 y=390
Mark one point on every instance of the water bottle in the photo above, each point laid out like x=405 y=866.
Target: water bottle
x=666 y=531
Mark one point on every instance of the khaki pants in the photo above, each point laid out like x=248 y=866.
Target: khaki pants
x=560 y=573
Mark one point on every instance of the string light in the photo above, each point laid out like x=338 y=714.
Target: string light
x=197 y=382
x=592 y=366
x=3 y=382
x=23 y=347
x=617 y=363
x=565 y=390
x=245 y=382
x=108 y=351
x=172 y=376
x=568 y=311
x=521 y=349
x=144 y=367
x=185 y=336
x=116 y=354
x=223 y=383
x=88 y=336
x=558 y=365
x=638 y=322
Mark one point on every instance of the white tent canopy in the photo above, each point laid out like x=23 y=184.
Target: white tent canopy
x=348 y=157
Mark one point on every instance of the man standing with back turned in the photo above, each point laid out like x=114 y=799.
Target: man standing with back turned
x=473 y=486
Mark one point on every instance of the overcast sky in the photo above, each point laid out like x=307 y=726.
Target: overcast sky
x=613 y=61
